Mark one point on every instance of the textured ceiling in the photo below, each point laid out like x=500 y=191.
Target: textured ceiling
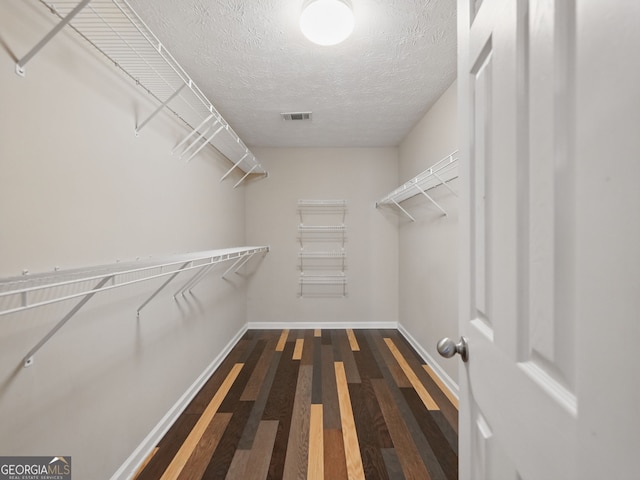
x=250 y=58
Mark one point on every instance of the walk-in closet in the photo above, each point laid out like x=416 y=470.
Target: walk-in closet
x=232 y=248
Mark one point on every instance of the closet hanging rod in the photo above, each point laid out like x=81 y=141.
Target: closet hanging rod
x=116 y=31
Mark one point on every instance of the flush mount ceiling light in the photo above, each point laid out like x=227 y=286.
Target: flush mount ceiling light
x=326 y=22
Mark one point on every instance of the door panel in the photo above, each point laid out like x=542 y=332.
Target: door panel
x=548 y=319
x=482 y=86
x=492 y=462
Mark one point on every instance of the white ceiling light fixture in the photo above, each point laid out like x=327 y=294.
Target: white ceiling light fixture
x=327 y=22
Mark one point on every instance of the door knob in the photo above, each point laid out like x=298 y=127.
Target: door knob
x=448 y=348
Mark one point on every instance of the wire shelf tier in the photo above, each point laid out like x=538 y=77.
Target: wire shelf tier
x=322 y=228
x=322 y=203
x=323 y=286
x=322 y=260
x=338 y=279
x=114 y=29
x=18 y=294
x=438 y=174
x=314 y=207
x=319 y=254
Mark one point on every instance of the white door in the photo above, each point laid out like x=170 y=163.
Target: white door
x=550 y=220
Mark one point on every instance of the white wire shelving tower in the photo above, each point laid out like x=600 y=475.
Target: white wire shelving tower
x=322 y=256
x=115 y=30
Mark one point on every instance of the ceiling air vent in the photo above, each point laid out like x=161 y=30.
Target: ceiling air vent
x=296 y=116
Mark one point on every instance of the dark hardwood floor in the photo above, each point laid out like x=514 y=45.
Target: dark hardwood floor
x=332 y=404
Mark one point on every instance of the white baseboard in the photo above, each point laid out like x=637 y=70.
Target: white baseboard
x=139 y=455
x=314 y=325
x=435 y=366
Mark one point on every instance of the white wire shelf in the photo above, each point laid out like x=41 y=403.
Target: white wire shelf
x=322 y=228
x=438 y=174
x=115 y=30
x=322 y=255
x=329 y=285
x=18 y=294
x=338 y=279
x=322 y=260
x=322 y=203
x=321 y=207
x=322 y=233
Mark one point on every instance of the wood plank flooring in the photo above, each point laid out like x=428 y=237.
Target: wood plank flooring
x=314 y=404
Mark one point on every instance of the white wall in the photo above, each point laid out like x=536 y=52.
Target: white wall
x=77 y=188
x=429 y=246
x=359 y=175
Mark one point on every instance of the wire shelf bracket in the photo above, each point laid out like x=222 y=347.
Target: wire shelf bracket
x=15 y=293
x=116 y=31
x=159 y=109
x=235 y=165
x=194 y=280
x=21 y=64
x=28 y=359
x=441 y=173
